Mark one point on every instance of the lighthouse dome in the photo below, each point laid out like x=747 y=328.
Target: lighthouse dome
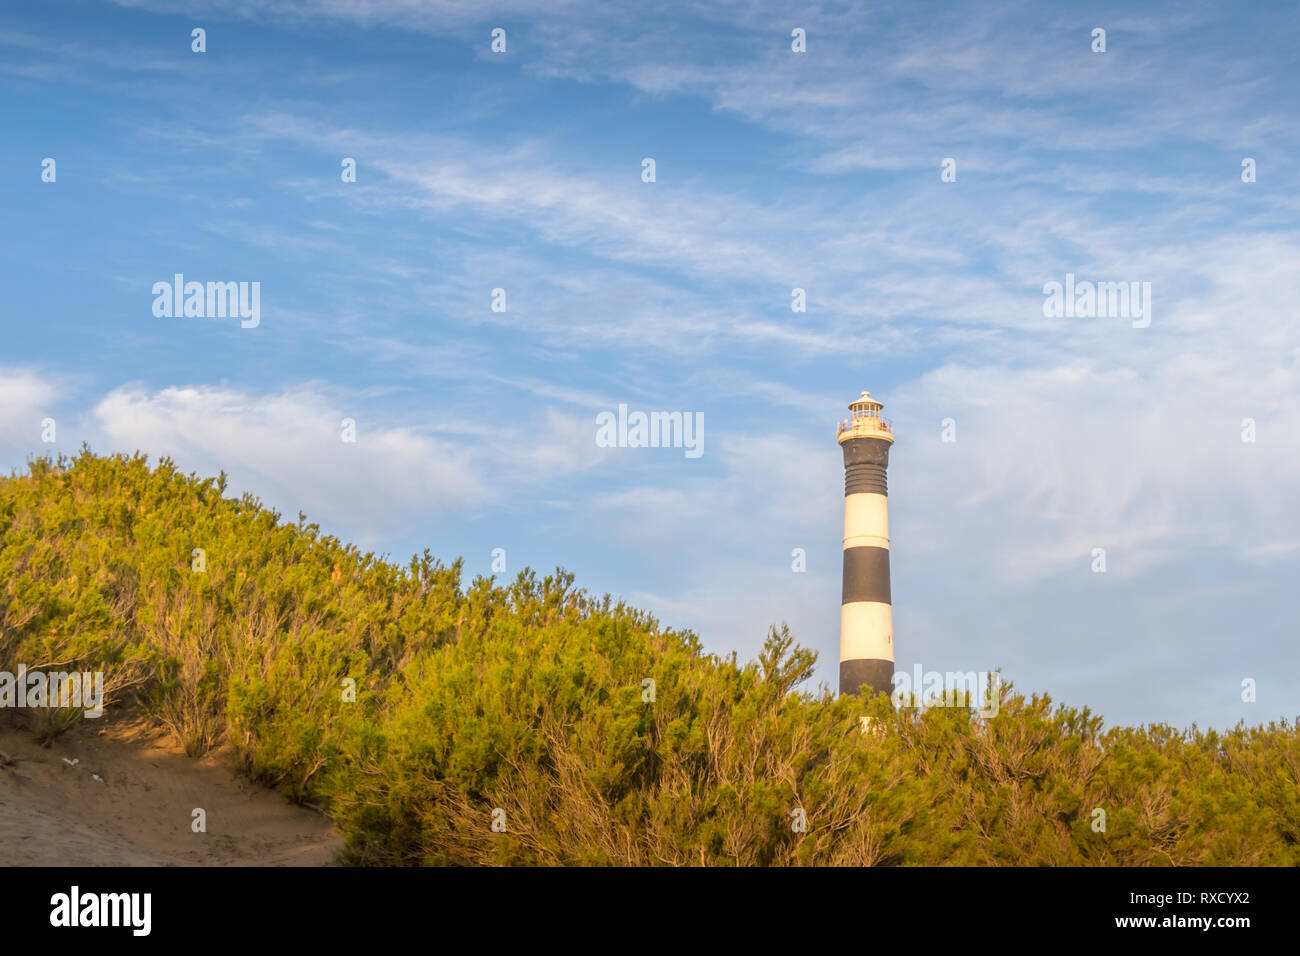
x=864 y=420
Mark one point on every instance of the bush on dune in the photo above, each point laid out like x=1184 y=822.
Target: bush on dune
x=532 y=704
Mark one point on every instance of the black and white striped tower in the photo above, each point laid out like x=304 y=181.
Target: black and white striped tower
x=866 y=616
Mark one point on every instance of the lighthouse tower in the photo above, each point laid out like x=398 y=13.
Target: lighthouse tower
x=866 y=617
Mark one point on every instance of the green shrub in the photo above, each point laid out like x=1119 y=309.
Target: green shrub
x=531 y=700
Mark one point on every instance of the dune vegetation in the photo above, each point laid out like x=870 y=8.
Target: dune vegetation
x=531 y=723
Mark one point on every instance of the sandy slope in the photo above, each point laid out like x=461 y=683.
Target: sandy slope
x=139 y=812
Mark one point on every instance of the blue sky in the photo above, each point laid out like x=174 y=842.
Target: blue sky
x=775 y=170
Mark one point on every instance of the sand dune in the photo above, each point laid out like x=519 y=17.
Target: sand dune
x=123 y=794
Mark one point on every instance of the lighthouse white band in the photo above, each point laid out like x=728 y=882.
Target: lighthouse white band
x=866 y=631
x=866 y=521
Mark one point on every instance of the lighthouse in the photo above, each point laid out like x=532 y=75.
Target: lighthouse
x=866 y=616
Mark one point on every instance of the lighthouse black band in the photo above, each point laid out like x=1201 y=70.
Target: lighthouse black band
x=866 y=575
x=878 y=675
x=865 y=461
x=865 y=478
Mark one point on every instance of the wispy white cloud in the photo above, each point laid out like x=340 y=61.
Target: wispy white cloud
x=26 y=397
x=290 y=444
